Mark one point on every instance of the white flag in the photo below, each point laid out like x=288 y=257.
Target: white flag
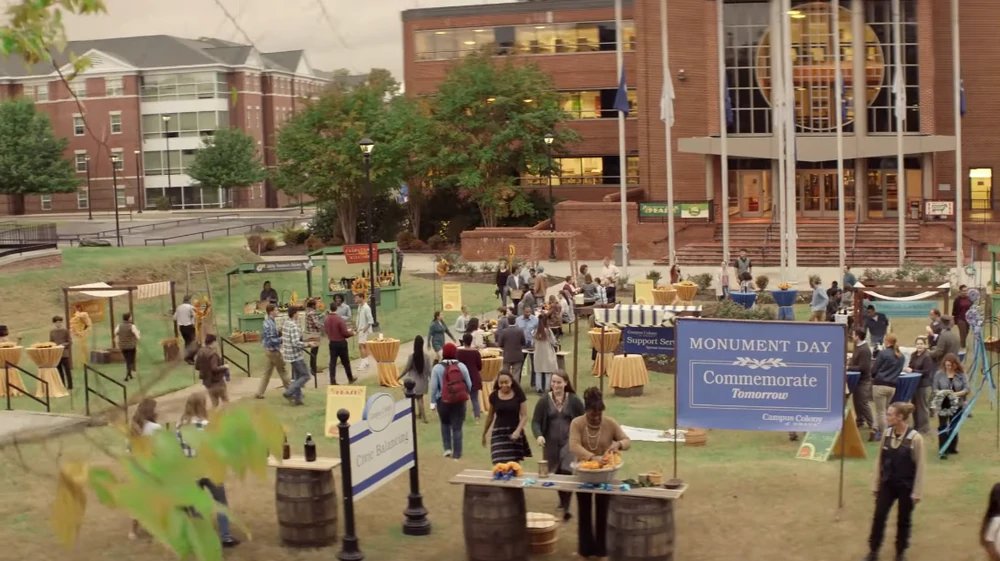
x=667 y=100
x=899 y=91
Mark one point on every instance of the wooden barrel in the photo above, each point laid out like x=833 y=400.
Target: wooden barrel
x=307 y=507
x=542 y=529
x=495 y=524
x=640 y=529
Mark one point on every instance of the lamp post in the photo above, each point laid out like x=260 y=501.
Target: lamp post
x=90 y=202
x=115 y=159
x=367 y=145
x=549 y=139
x=166 y=125
x=140 y=188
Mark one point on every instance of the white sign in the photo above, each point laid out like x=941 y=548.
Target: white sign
x=939 y=208
x=381 y=444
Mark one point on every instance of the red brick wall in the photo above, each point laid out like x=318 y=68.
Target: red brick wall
x=490 y=244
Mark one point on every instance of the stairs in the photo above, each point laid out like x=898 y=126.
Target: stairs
x=871 y=244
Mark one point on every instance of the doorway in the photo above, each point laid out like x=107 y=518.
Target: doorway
x=754 y=193
x=818 y=192
x=981 y=189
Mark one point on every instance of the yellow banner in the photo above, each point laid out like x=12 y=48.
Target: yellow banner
x=351 y=398
x=451 y=296
x=94 y=308
x=644 y=292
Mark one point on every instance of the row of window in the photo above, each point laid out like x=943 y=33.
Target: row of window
x=595 y=170
x=81 y=160
x=158 y=162
x=113 y=87
x=190 y=85
x=538 y=39
x=189 y=124
x=114 y=123
x=596 y=104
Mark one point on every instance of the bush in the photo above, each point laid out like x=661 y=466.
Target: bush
x=405 y=239
x=294 y=236
x=269 y=243
x=487 y=267
x=255 y=243
x=727 y=309
x=162 y=203
x=419 y=245
x=313 y=243
x=437 y=242
x=761 y=282
x=654 y=276
x=703 y=280
x=324 y=224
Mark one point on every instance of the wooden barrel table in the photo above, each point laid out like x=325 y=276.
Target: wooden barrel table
x=543 y=530
x=306 y=501
x=495 y=524
x=640 y=529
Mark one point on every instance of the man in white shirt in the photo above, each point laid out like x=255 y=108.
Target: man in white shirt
x=611 y=275
x=462 y=321
x=184 y=318
x=363 y=326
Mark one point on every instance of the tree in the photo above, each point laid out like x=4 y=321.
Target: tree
x=31 y=157
x=229 y=159
x=493 y=117
x=318 y=151
x=415 y=141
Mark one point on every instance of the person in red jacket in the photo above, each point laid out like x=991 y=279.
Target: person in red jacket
x=337 y=332
x=473 y=361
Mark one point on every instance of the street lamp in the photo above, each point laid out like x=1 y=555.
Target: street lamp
x=367 y=146
x=166 y=134
x=140 y=188
x=90 y=202
x=549 y=139
x=115 y=159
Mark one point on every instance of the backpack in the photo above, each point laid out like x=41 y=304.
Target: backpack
x=453 y=388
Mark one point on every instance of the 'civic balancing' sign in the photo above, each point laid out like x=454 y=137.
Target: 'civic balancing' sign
x=381 y=444
x=760 y=375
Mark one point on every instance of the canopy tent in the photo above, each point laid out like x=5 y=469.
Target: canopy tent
x=103 y=290
x=252 y=322
x=899 y=298
x=640 y=315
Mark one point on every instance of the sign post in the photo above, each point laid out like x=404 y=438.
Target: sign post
x=416 y=523
x=350 y=549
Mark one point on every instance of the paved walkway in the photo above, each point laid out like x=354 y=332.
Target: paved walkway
x=28 y=425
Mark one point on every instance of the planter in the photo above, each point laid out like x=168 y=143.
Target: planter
x=784 y=298
x=745 y=299
x=686 y=292
x=664 y=296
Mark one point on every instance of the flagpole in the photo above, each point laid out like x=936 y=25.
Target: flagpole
x=778 y=127
x=956 y=69
x=900 y=90
x=791 y=151
x=839 y=85
x=667 y=108
x=723 y=132
x=622 y=160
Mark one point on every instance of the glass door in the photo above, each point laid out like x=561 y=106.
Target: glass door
x=754 y=194
x=811 y=194
x=890 y=194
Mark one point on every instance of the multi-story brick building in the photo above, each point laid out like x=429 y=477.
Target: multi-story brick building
x=574 y=42
x=152 y=100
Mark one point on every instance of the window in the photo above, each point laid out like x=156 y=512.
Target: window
x=594 y=170
x=37 y=92
x=80 y=159
x=748 y=67
x=118 y=159
x=194 y=85
x=78 y=126
x=114 y=87
x=596 y=104
x=193 y=124
x=116 y=122
x=880 y=65
x=120 y=197
x=46 y=202
x=82 y=200
x=79 y=88
x=444 y=44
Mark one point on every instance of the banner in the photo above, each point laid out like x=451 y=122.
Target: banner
x=648 y=340
x=681 y=210
x=94 y=309
x=283 y=266
x=357 y=253
x=644 y=292
x=912 y=309
x=451 y=296
x=760 y=375
x=351 y=398
x=381 y=443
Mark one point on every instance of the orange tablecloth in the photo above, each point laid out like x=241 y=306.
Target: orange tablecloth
x=491 y=368
x=628 y=371
x=13 y=356
x=47 y=359
x=611 y=339
x=385 y=352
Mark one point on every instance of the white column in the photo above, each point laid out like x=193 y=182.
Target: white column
x=898 y=78
x=668 y=141
x=622 y=159
x=778 y=130
x=860 y=104
x=788 y=87
x=723 y=132
x=839 y=96
x=956 y=65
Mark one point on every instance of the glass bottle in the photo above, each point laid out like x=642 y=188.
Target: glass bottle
x=310 y=451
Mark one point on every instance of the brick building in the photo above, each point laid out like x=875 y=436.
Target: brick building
x=152 y=100
x=573 y=41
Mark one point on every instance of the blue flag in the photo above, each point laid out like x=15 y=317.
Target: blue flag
x=962 y=107
x=843 y=101
x=730 y=113
x=621 y=97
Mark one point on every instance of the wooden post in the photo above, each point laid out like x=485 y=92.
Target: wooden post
x=131 y=305
x=576 y=347
x=173 y=306
x=111 y=320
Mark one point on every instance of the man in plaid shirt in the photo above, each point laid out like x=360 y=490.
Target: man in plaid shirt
x=293 y=352
x=271 y=340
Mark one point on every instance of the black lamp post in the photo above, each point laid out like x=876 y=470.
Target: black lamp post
x=367 y=145
x=416 y=523
x=549 y=139
x=90 y=202
x=114 y=181
x=140 y=195
x=166 y=134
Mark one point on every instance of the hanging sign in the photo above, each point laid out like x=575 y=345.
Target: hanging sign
x=451 y=296
x=357 y=253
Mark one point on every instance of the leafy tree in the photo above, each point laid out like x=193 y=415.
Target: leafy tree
x=31 y=157
x=415 y=142
x=318 y=152
x=493 y=117
x=229 y=159
x=34 y=28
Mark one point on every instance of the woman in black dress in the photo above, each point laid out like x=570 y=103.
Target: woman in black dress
x=507 y=417
x=550 y=424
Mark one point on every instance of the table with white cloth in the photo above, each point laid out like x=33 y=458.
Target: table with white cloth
x=13 y=356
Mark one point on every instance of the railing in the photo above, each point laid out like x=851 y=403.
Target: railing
x=17 y=250
x=24 y=234
x=8 y=386
x=246 y=357
x=854 y=242
x=767 y=242
x=87 y=369
x=229 y=230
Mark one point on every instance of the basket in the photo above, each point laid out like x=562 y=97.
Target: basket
x=238 y=337
x=603 y=475
x=251 y=337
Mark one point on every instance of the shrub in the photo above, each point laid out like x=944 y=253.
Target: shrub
x=877 y=275
x=437 y=242
x=703 y=280
x=487 y=268
x=419 y=245
x=465 y=267
x=162 y=203
x=405 y=239
x=255 y=243
x=761 y=282
x=654 y=276
x=294 y=236
x=313 y=243
x=728 y=309
x=269 y=243
x=324 y=224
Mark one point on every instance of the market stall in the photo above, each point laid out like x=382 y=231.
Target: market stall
x=387 y=274
x=92 y=307
x=251 y=318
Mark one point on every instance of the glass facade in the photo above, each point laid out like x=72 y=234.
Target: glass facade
x=590 y=170
x=195 y=123
x=194 y=85
x=154 y=162
x=596 y=104
x=881 y=109
x=537 y=39
x=746 y=25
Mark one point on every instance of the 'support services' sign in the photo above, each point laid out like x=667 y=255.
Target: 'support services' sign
x=760 y=375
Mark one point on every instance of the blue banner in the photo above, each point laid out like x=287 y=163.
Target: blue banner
x=904 y=308
x=760 y=375
x=648 y=340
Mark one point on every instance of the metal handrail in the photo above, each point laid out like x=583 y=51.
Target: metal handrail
x=88 y=390
x=228 y=230
x=854 y=243
x=246 y=356
x=767 y=242
x=8 y=386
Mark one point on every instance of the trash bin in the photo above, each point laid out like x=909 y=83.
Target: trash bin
x=618 y=255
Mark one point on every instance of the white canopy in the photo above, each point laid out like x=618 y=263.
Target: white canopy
x=100 y=293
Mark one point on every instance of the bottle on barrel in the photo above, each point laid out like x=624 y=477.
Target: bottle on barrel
x=310 y=448
x=286 y=450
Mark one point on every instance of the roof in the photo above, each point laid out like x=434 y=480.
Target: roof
x=507 y=8
x=163 y=51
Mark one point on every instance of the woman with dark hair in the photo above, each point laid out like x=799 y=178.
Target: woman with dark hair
x=590 y=437
x=885 y=375
x=503 y=293
x=550 y=425
x=447 y=395
x=473 y=361
x=922 y=363
x=505 y=421
x=418 y=369
x=989 y=535
x=950 y=388
x=268 y=294
x=436 y=333
x=472 y=330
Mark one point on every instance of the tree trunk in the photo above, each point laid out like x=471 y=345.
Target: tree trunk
x=489 y=216
x=347 y=215
x=415 y=208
